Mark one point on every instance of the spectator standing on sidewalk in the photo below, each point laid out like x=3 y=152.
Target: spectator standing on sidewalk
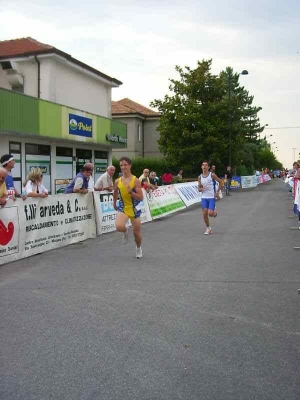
x=153 y=180
x=228 y=177
x=91 y=179
x=105 y=182
x=33 y=185
x=8 y=162
x=3 y=190
x=180 y=175
x=145 y=175
x=167 y=178
x=80 y=183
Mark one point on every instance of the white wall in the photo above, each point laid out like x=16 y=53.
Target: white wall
x=64 y=83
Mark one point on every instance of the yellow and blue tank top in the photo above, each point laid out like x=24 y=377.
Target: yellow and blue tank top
x=128 y=204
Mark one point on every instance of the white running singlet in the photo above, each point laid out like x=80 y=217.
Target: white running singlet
x=208 y=187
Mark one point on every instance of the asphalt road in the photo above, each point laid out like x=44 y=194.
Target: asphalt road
x=199 y=317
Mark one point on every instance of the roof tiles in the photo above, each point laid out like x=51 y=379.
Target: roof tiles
x=127 y=106
x=27 y=46
x=19 y=47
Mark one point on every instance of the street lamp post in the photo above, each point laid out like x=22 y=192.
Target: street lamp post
x=244 y=72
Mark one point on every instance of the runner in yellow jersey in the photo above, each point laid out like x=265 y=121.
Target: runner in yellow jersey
x=128 y=190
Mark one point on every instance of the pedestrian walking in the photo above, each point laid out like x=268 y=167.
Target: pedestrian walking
x=228 y=178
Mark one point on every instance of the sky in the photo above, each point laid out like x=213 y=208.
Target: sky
x=141 y=42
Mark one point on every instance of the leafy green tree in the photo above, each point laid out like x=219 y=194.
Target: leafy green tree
x=192 y=122
x=205 y=116
x=252 y=126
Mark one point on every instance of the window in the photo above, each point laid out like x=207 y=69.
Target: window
x=101 y=154
x=39 y=156
x=64 y=165
x=15 y=150
x=15 y=147
x=101 y=163
x=6 y=65
x=64 y=151
x=18 y=89
x=139 y=132
x=37 y=149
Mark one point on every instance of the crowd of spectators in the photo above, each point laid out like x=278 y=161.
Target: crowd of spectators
x=82 y=183
x=292 y=179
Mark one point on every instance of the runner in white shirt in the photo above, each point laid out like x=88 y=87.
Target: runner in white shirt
x=208 y=201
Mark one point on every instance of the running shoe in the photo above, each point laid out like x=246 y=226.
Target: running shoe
x=125 y=237
x=208 y=231
x=139 y=252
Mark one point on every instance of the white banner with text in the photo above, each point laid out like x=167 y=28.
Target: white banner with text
x=249 y=181
x=164 y=201
x=189 y=193
x=106 y=214
x=37 y=225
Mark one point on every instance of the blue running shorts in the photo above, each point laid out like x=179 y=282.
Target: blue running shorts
x=208 y=203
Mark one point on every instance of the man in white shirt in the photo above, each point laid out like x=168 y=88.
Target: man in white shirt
x=105 y=182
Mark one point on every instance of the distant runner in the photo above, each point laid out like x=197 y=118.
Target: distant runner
x=208 y=201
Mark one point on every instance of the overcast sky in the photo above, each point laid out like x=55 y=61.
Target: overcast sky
x=140 y=42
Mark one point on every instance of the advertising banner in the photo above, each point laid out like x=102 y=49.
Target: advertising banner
x=38 y=225
x=106 y=214
x=164 y=201
x=249 y=181
x=235 y=182
x=259 y=179
x=80 y=126
x=188 y=193
x=297 y=197
x=266 y=178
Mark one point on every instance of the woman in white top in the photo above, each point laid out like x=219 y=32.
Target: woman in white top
x=33 y=185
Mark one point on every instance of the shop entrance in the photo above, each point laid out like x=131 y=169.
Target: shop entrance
x=101 y=161
x=39 y=156
x=83 y=156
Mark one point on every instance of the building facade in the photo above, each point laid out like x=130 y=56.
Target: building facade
x=142 y=133
x=43 y=93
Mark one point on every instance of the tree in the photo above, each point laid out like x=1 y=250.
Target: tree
x=205 y=117
x=192 y=122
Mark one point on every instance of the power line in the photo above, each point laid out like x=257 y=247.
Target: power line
x=285 y=127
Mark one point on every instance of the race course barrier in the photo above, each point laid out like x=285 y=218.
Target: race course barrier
x=297 y=197
x=106 y=214
x=249 y=181
x=164 y=201
x=37 y=225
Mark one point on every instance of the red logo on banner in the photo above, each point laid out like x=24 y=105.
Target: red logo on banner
x=6 y=234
